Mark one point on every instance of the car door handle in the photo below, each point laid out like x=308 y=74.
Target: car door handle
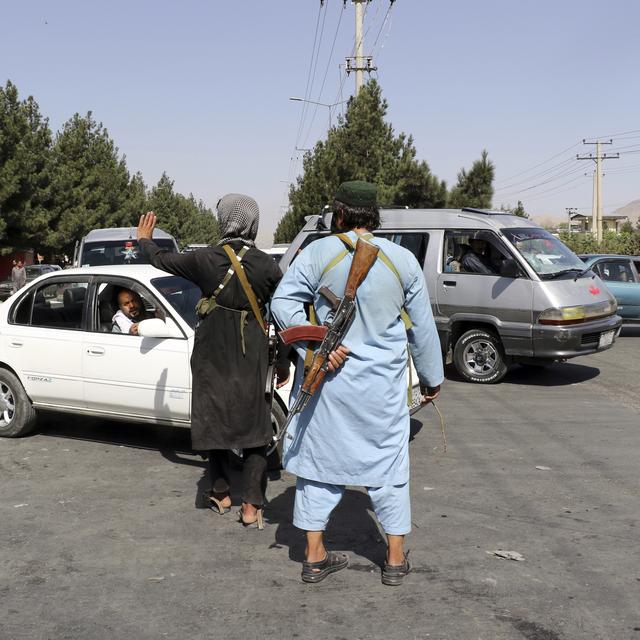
x=15 y=343
x=95 y=351
x=449 y=283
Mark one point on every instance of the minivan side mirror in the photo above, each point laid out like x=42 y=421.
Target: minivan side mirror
x=509 y=268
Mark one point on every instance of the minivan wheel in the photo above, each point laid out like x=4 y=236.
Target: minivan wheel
x=17 y=417
x=479 y=357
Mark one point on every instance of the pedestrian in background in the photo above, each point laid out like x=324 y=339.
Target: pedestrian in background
x=18 y=276
x=230 y=409
x=356 y=429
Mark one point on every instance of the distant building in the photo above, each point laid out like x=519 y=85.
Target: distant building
x=581 y=222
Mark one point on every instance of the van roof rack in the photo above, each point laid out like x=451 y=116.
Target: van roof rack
x=486 y=212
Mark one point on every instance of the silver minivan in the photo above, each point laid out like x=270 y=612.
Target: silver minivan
x=502 y=289
x=117 y=245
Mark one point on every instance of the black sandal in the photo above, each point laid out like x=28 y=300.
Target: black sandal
x=394 y=574
x=333 y=562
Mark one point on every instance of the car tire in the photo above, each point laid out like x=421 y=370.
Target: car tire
x=278 y=418
x=17 y=416
x=478 y=357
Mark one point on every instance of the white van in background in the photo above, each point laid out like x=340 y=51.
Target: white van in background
x=116 y=246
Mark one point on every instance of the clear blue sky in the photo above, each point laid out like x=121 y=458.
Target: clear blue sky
x=200 y=88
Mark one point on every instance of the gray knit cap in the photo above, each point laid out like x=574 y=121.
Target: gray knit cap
x=238 y=218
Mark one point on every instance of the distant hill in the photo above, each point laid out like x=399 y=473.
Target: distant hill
x=631 y=210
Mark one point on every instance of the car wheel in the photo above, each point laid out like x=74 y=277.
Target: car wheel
x=278 y=418
x=479 y=357
x=17 y=417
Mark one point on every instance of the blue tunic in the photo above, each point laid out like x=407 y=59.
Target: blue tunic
x=356 y=429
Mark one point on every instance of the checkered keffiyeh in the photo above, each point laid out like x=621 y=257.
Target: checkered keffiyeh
x=238 y=218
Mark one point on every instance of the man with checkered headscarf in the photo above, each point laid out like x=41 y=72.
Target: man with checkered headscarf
x=230 y=355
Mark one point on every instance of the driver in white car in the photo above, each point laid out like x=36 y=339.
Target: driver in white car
x=130 y=312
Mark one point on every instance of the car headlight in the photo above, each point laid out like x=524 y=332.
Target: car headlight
x=575 y=315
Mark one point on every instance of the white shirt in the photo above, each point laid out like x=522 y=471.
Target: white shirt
x=124 y=323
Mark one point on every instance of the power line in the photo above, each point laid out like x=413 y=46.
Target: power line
x=567 y=171
x=539 y=174
x=324 y=78
x=553 y=157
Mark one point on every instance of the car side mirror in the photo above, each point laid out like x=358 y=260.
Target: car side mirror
x=157 y=328
x=509 y=268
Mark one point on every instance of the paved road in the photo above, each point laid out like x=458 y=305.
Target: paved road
x=99 y=537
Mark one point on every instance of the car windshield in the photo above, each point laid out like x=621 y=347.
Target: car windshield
x=37 y=270
x=546 y=255
x=182 y=295
x=111 y=252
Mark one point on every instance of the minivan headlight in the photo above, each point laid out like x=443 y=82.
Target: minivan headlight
x=575 y=315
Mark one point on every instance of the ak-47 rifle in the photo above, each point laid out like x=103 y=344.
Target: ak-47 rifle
x=331 y=333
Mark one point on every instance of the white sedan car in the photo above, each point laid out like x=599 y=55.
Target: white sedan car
x=58 y=351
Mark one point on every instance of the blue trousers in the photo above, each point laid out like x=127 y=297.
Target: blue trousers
x=316 y=500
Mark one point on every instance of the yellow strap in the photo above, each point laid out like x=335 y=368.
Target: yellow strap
x=406 y=320
x=335 y=261
x=308 y=356
x=385 y=259
x=248 y=291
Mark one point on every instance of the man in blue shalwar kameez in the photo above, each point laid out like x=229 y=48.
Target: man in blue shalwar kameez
x=355 y=430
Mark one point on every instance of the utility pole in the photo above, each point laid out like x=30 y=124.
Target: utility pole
x=597 y=196
x=360 y=63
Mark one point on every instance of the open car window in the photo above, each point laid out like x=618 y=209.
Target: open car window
x=107 y=315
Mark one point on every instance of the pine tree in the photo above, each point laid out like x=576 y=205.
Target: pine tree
x=361 y=147
x=475 y=187
x=518 y=210
x=25 y=145
x=90 y=182
x=184 y=218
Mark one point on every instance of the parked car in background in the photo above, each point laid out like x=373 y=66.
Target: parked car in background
x=116 y=246
x=621 y=274
x=277 y=251
x=32 y=271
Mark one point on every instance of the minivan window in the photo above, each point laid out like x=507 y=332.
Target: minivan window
x=546 y=255
x=413 y=241
x=110 y=252
x=473 y=251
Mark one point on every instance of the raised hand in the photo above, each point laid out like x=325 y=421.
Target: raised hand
x=146 y=225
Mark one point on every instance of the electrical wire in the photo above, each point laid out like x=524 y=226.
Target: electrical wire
x=324 y=78
x=570 y=170
x=553 y=157
x=539 y=174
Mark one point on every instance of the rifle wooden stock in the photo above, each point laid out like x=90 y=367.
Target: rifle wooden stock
x=315 y=375
x=365 y=255
x=303 y=333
